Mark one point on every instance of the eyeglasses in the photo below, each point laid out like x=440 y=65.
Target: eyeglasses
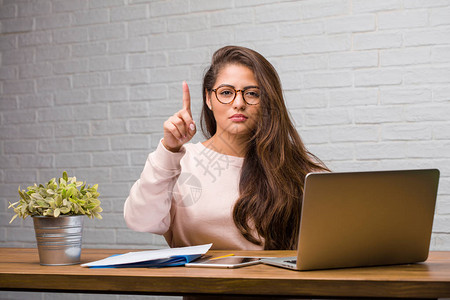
x=226 y=94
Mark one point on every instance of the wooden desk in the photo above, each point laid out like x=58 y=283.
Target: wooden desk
x=20 y=271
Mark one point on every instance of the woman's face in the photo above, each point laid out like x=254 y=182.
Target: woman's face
x=237 y=118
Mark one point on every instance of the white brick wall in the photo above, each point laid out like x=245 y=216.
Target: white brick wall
x=85 y=86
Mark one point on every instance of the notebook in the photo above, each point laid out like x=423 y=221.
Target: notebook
x=357 y=219
x=170 y=257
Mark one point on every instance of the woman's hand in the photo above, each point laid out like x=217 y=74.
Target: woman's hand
x=179 y=128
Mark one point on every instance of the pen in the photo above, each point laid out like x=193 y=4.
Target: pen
x=222 y=256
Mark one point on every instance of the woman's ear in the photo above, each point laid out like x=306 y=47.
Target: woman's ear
x=208 y=100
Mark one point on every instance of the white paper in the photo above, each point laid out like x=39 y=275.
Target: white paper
x=140 y=256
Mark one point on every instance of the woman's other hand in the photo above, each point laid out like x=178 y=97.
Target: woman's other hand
x=179 y=128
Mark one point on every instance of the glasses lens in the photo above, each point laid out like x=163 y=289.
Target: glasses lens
x=225 y=94
x=252 y=95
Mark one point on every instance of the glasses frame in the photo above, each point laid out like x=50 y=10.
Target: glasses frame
x=235 y=93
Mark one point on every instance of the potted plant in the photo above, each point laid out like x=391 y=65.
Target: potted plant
x=57 y=209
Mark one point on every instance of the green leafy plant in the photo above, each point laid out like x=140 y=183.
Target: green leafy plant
x=70 y=197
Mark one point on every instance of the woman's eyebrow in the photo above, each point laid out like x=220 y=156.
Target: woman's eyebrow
x=245 y=87
x=224 y=84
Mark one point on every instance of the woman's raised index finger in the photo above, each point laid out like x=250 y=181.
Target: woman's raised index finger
x=186 y=97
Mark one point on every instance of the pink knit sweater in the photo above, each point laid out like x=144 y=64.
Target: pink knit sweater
x=188 y=197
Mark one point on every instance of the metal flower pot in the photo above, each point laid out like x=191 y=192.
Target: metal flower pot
x=59 y=239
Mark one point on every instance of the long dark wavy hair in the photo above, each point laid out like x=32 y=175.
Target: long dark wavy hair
x=276 y=162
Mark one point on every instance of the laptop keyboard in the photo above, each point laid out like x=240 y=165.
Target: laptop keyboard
x=291 y=261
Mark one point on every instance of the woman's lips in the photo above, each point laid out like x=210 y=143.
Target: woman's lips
x=238 y=118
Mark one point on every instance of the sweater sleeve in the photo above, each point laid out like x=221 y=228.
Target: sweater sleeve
x=147 y=208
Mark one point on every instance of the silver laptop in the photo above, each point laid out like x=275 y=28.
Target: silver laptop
x=360 y=219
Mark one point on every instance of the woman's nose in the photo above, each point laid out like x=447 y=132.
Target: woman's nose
x=239 y=100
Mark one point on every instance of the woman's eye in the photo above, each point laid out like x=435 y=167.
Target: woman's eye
x=252 y=94
x=226 y=93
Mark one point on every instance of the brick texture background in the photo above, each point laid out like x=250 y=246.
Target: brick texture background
x=85 y=86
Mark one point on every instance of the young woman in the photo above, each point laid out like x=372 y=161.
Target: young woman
x=242 y=187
